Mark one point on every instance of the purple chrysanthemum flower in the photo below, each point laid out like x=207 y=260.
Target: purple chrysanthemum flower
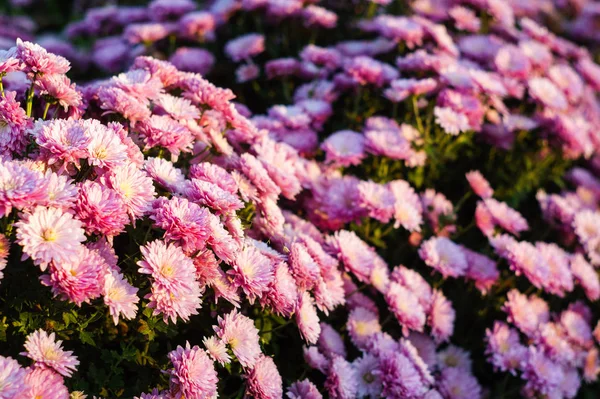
x=341 y=379
x=304 y=389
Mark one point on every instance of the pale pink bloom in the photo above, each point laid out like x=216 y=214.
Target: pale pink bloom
x=100 y=209
x=408 y=211
x=504 y=347
x=62 y=140
x=20 y=187
x=546 y=92
x=406 y=307
x=193 y=374
x=146 y=33
x=246 y=72
x=49 y=234
x=175 y=301
x=37 y=60
x=164 y=173
x=60 y=88
x=587 y=277
x=134 y=187
x=41 y=383
x=465 y=19
x=307 y=318
x=120 y=296
x=264 y=380
x=217 y=350
x=479 y=184
x=167 y=264
x=444 y=256
x=252 y=271
x=441 y=317
x=61 y=191
x=451 y=121
x=45 y=351
x=527 y=314
x=238 y=331
x=105 y=149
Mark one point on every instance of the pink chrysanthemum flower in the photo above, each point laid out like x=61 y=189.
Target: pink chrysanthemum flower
x=217 y=350
x=113 y=99
x=527 y=314
x=100 y=209
x=13 y=123
x=120 y=296
x=139 y=83
x=252 y=271
x=239 y=332
x=134 y=187
x=44 y=384
x=105 y=148
x=11 y=378
x=304 y=389
x=587 y=277
x=211 y=195
x=164 y=173
x=504 y=348
x=164 y=131
x=78 y=280
x=425 y=347
x=525 y=258
x=46 y=352
x=60 y=88
x=283 y=292
x=542 y=374
x=457 y=383
x=491 y=213
x=307 y=318
x=408 y=211
x=441 y=317
x=184 y=222
x=356 y=256
x=20 y=187
x=344 y=148
x=49 y=234
x=482 y=270
x=176 y=301
x=193 y=374
x=61 y=191
x=37 y=60
x=406 y=307
x=479 y=184
x=62 y=140
x=303 y=267
x=369 y=383
x=341 y=380
x=444 y=256
x=465 y=19
x=167 y=264
x=377 y=199
x=546 y=93
x=451 y=121
x=577 y=328
x=264 y=380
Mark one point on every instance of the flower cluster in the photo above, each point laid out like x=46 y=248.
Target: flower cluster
x=404 y=196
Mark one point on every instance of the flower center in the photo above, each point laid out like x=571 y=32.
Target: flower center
x=368 y=378
x=49 y=235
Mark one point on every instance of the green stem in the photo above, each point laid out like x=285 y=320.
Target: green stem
x=46 y=110
x=30 y=98
x=417 y=116
x=2 y=88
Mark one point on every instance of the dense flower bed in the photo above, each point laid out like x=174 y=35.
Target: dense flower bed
x=270 y=198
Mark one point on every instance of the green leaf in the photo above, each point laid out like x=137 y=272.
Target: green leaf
x=86 y=338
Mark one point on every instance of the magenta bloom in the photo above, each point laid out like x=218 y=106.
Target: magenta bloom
x=238 y=331
x=63 y=141
x=13 y=123
x=46 y=352
x=184 y=222
x=100 y=209
x=264 y=380
x=163 y=131
x=49 y=234
x=341 y=379
x=399 y=377
x=303 y=390
x=283 y=292
x=193 y=374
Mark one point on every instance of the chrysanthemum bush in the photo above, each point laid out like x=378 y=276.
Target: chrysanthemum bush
x=307 y=199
